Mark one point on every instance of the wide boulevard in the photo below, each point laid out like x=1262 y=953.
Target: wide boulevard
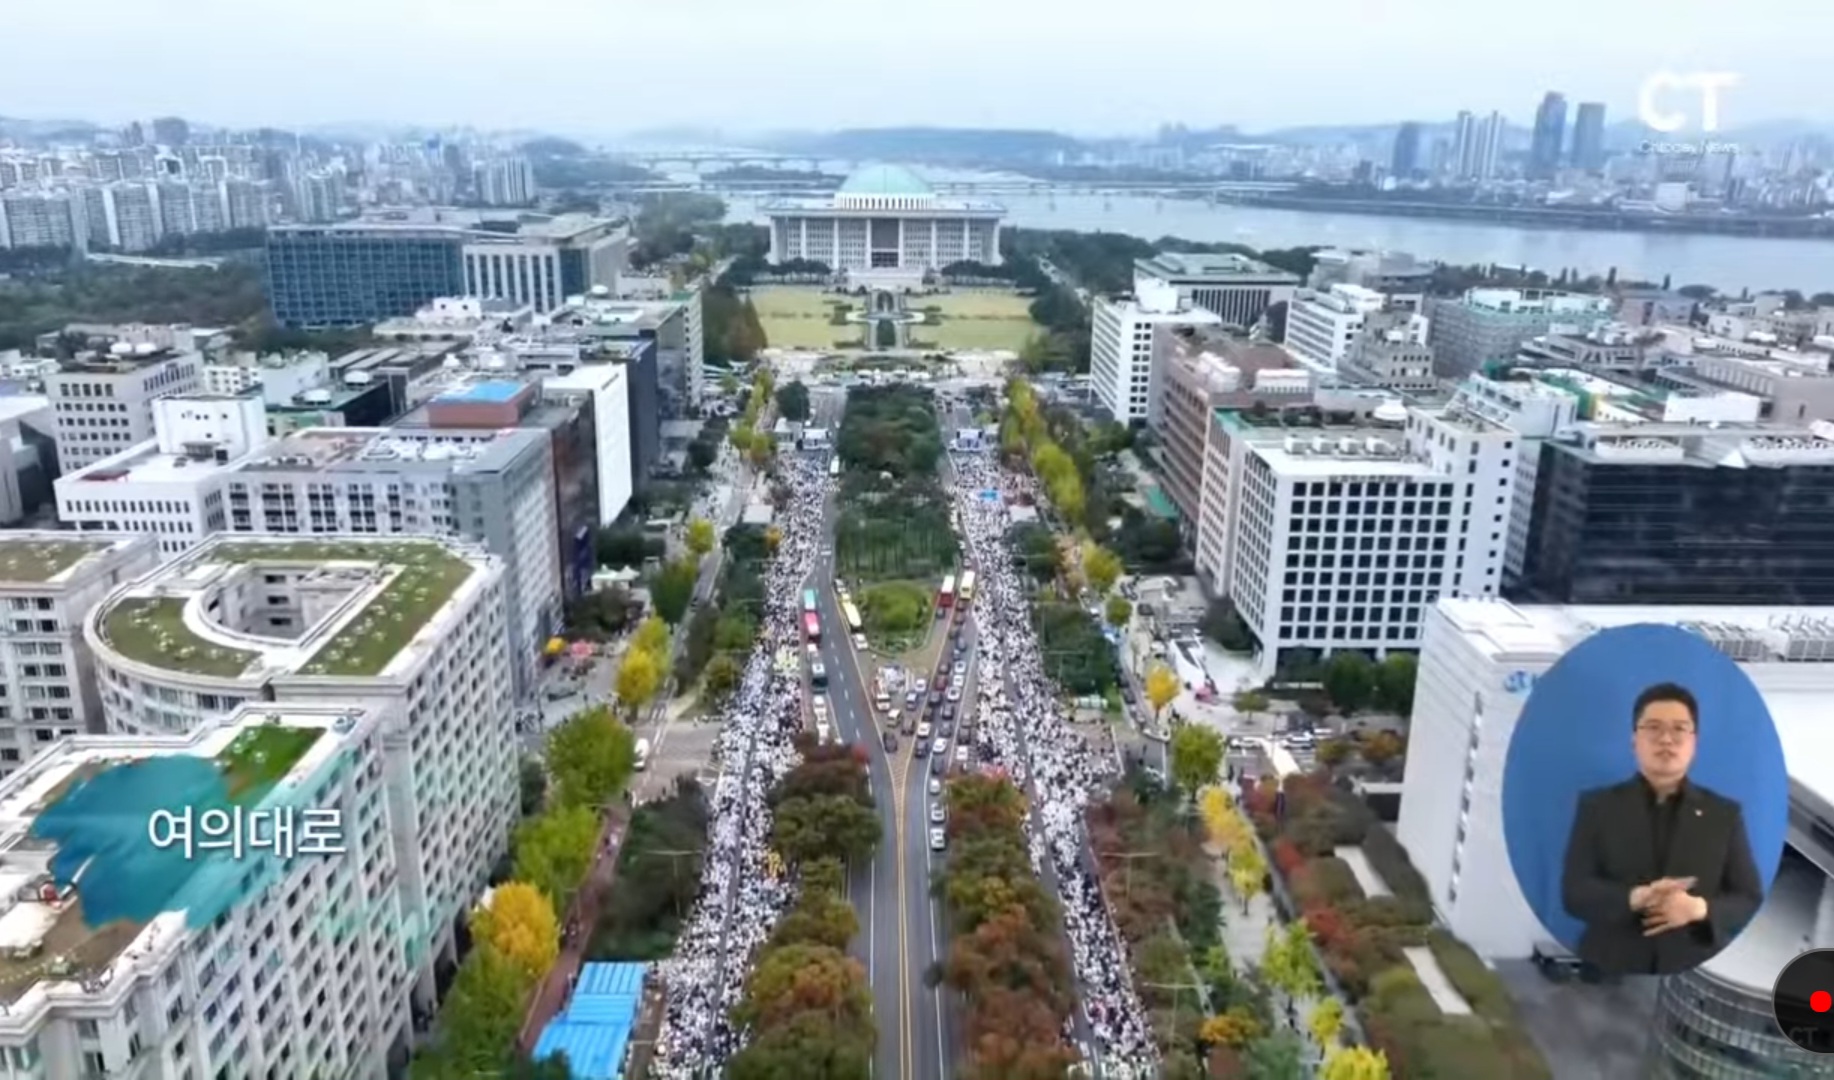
x=903 y=928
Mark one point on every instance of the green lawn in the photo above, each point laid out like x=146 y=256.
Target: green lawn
x=260 y=756
x=977 y=319
x=32 y=561
x=796 y=317
x=152 y=630
x=428 y=578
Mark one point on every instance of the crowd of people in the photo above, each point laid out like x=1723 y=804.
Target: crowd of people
x=743 y=889
x=1022 y=728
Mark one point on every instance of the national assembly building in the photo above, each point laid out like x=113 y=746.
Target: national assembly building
x=884 y=227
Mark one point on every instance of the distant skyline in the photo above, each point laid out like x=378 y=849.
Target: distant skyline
x=554 y=65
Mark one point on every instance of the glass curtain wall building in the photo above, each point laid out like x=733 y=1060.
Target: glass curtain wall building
x=1682 y=514
x=320 y=277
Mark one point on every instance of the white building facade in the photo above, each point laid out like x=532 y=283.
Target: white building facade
x=1123 y=333
x=415 y=630
x=104 y=405
x=310 y=969
x=170 y=486
x=607 y=386
x=1343 y=537
x=885 y=227
x=1321 y=327
x=49 y=581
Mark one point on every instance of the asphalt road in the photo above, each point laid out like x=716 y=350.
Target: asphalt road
x=903 y=933
x=1082 y=1034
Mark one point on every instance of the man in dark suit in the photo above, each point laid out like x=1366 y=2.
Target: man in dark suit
x=1658 y=868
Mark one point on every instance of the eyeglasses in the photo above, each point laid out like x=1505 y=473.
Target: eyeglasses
x=1666 y=731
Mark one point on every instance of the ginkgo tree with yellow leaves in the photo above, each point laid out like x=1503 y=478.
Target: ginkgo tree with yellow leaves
x=1161 y=687
x=1355 y=1063
x=520 y=924
x=1235 y=1028
x=1327 y=1022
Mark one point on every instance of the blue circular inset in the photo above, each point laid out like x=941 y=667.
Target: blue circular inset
x=1577 y=734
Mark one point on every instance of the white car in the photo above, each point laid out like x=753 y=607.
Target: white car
x=936 y=785
x=936 y=813
x=955 y=693
x=942 y=746
x=923 y=730
x=961 y=754
x=938 y=840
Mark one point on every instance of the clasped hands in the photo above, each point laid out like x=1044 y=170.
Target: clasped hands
x=1665 y=904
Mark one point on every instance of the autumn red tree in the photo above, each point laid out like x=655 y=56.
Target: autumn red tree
x=1008 y=958
x=1287 y=857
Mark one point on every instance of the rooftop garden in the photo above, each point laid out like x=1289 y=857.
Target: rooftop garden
x=260 y=756
x=152 y=629
x=429 y=575
x=33 y=561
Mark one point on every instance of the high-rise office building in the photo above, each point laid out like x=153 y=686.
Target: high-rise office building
x=504 y=181
x=1682 y=514
x=1589 y=136
x=104 y=404
x=1406 y=160
x=48 y=582
x=1549 y=136
x=1322 y=325
x=1238 y=289
x=362 y=272
x=1489 y=147
x=1475 y=146
x=1346 y=530
x=1464 y=142
x=1491 y=324
x=1123 y=338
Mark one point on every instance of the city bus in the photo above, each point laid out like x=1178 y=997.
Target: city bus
x=811 y=625
x=808 y=601
x=852 y=615
x=945 y=597
x=967 y=587
x=834 y=466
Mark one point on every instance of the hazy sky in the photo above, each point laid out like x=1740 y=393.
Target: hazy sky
x=595 y=67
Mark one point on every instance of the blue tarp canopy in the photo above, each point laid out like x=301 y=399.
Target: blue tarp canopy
x=595 y=1027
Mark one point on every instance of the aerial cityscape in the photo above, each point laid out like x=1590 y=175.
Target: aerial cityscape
x=1043 y=579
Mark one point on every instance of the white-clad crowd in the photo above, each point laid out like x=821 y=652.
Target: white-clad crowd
x=742 y=891
x=1022 y=729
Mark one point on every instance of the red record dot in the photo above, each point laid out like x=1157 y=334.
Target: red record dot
x=1821 y=1001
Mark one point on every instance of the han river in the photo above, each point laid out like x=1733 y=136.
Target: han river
x=1728 y=263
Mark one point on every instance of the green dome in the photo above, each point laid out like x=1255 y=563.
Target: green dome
x=885 y=180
